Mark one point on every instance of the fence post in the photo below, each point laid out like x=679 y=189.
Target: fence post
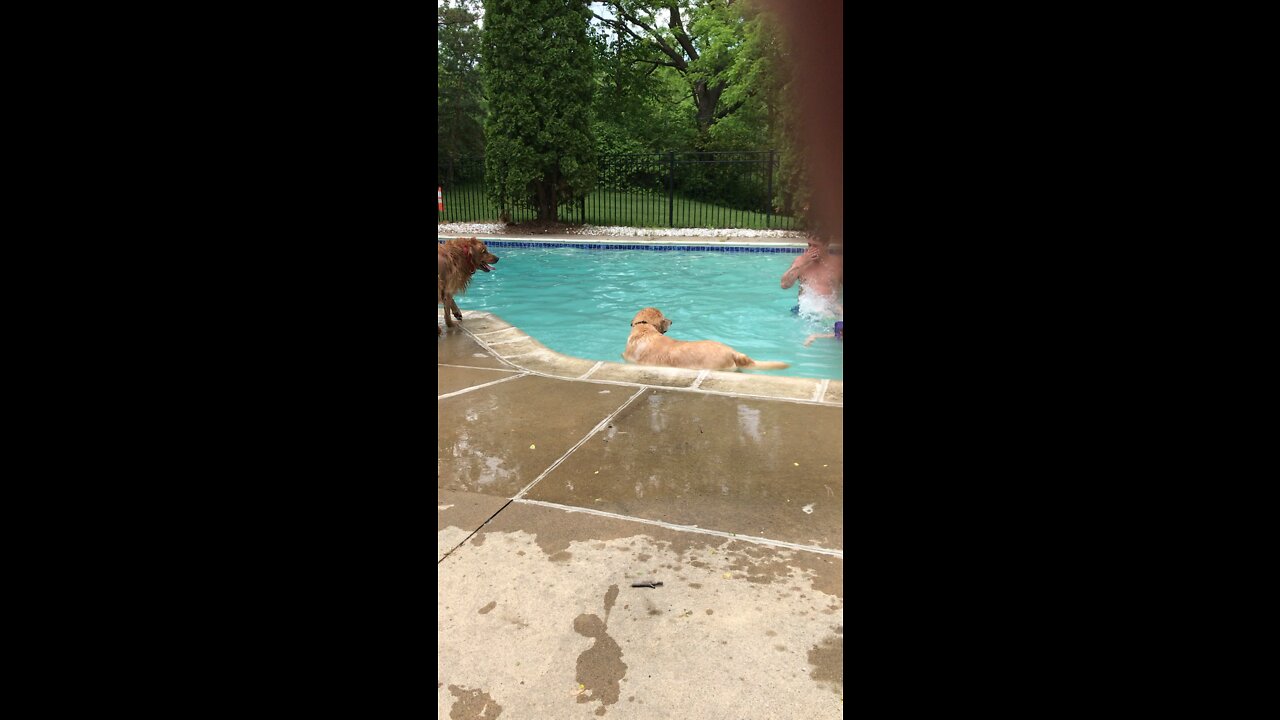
x=768 y=201
x=671 y=188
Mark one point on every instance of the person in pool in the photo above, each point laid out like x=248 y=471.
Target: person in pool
x=820 y=270
x=837 y=334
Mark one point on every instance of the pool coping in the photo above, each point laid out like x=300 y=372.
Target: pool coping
x=521 y=351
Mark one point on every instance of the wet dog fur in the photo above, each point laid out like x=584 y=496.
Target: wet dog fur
x=648 y=345
x=458 y=260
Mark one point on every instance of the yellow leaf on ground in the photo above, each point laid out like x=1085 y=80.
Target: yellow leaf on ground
x=531 y=447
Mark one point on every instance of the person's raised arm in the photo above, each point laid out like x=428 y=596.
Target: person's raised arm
x=789 y=277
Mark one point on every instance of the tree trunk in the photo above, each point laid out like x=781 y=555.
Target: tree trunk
x=546 y=201
x=706 y=98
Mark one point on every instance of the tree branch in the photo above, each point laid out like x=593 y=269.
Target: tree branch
x=656 y=63
x=677 y=28
x=613 y=23
x=725 y=112
x=667 y=50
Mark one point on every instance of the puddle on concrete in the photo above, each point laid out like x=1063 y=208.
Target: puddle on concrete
x=473 y=705
x=827 y=659
x=600 y=668
x=616 y=646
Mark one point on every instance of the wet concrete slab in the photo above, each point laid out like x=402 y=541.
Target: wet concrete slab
x=742 y=465
x=455 y=347
x=452 y=379
x=536 y=616
x=735 y=630
x=458 y=514
x=498 y=439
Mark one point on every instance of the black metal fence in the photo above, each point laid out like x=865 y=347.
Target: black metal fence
x=689 y=189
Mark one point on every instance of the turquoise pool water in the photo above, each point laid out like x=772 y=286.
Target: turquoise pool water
x=580 y=302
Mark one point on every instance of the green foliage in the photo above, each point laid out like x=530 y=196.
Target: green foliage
x=636 y=106
x=541 y=92
x=459 y=104
x=538 y=72
x=705 y=75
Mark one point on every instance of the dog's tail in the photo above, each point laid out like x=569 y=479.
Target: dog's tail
x=743 y=361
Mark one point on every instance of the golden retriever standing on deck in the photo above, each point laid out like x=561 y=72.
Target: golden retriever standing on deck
x=648 y=345
x=458 y=260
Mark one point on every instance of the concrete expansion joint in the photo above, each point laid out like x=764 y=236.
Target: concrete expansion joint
x=599 y=426
x=587 y=374
x=473 y=532
x=484 y=385
x=685 y=528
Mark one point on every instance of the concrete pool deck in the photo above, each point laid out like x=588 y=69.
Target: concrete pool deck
x=563 y=482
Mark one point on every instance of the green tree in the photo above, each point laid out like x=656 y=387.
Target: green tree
x=648 y=99
x=637 y=105
x=537 y=70
x=459 y=103
x=759 y=84
x=700 y=55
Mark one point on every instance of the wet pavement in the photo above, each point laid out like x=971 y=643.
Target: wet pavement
x=561 y=483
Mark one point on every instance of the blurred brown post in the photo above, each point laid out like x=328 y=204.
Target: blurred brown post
x=815 y=32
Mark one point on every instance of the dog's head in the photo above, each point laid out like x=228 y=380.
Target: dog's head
x=652 y=316
x=480 y=254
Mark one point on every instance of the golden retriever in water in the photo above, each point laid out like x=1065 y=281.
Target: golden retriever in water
x=648 y=345
x=457 y=261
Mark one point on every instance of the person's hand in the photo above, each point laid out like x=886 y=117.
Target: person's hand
x=809 y=341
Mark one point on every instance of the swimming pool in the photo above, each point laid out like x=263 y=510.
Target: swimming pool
x=580 y=302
